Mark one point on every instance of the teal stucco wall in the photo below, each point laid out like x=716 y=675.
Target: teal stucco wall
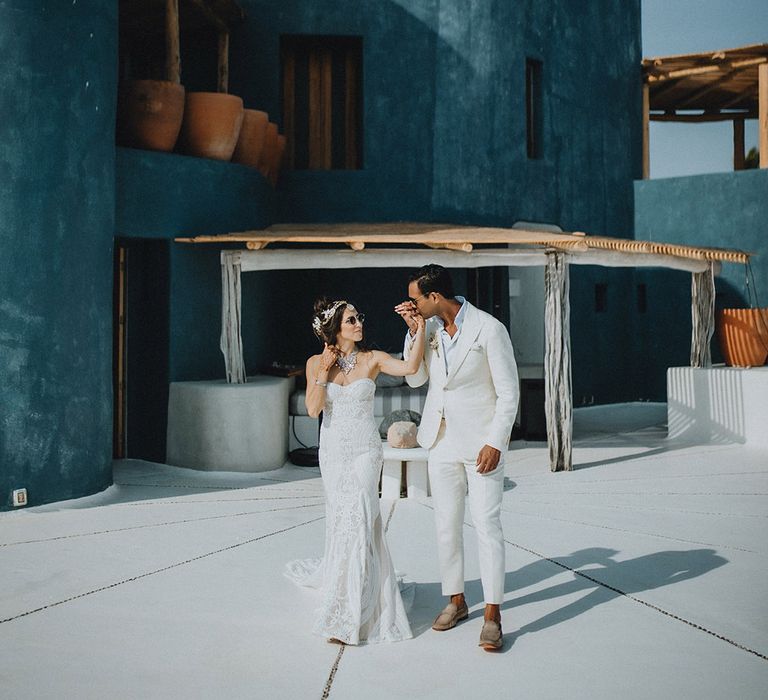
x=57 y=96
x=724 y=210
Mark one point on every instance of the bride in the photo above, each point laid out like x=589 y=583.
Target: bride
x=360 y=596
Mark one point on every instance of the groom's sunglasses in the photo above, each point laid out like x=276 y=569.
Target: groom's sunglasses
x=354 y=320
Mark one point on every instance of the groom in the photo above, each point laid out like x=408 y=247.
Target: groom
x=468 y=417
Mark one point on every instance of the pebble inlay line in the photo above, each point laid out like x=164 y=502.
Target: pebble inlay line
x=576 y=572
x=636 y=507
x=215 y=488
x=158 y=571
x=170 y=522
x=335 y=667
x=216 y=500
x=630 y=532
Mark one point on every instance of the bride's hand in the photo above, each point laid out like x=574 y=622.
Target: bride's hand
x=328 y=358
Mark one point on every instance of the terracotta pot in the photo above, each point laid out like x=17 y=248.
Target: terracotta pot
x=743 y=336
x=277 y=159
x=270 y=146
x=211 y=126
x=150 y=114
x=251 y=141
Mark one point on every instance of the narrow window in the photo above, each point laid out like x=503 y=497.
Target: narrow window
x=601 y=298
x=642 y=298
x=322 y=101
x=533 y=108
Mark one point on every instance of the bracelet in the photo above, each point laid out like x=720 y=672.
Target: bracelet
x=319 y=383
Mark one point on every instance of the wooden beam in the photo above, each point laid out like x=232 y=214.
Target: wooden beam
x=289 y=103
x=762 y=124
x=646 y=133
x=464 y=247
x=702 y=70
x=320 y=64
x=222 y=14
x=350 y=110
x=694 y=118
x=223 y=85
x=172 y=49
x=738 y=144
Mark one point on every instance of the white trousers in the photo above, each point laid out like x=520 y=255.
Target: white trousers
x=450 y=478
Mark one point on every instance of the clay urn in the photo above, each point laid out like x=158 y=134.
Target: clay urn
x=211 y=125
x=270 y=146
x=277 y=159
x=251 y=140
x=743 y=336
x=149 y=114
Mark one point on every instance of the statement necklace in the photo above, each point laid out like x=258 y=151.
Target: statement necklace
x=348 y=363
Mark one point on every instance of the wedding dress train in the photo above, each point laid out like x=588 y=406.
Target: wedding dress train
x=361 y=600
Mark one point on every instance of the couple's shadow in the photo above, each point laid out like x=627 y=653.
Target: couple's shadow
x=593 y=571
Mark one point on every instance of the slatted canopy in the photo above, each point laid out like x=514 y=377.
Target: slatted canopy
x=344 y=246
x=724 y=85
x=718 y=83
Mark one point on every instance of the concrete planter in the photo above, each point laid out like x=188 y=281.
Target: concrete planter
x=150 y=113
x=251 y=141
x=211 y=125
x=743 y=336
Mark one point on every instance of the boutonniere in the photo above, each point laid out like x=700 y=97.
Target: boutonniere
x=434 y=343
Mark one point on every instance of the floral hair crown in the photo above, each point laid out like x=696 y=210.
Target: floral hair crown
x=322 y=318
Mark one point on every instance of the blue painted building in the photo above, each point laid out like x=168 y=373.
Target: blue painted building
x=444 y=135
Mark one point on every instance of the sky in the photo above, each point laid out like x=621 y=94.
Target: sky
x=692 y=26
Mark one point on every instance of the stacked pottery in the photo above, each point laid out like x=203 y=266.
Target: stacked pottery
x=743 y=336
x=150 y=113
x=277 y=159
x=269 y=150
x=211 y=125
x=251 y=141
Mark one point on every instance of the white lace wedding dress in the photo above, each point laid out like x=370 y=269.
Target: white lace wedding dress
x=361 y=599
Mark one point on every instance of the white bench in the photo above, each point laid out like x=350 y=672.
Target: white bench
x=412 y=461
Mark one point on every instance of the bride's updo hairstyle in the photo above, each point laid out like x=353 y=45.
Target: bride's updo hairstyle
x=326 y=321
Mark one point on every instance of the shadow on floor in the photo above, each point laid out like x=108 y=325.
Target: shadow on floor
x=595 y=573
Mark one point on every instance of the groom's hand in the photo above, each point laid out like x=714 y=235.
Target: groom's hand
x=409 y=313
x=488 y=459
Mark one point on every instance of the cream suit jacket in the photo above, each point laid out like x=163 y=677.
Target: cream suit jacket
x=478 y=397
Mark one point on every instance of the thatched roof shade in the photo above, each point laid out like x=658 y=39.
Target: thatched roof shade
x=461 y=238
x=720 y=83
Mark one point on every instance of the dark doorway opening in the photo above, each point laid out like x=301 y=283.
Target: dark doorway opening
x=140 y=348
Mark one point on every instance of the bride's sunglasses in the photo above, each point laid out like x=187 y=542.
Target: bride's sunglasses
x=354 y=320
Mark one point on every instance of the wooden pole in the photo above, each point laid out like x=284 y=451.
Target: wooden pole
x=223 y=62
x=558 y=392
x=762 y=124
x=172 y=50
x=738 y=144
x=646 y=132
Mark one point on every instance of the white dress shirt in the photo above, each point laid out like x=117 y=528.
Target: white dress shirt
x=447 y=343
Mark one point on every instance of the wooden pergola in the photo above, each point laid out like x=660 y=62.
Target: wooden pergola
x=344 y=246
x=727 y=85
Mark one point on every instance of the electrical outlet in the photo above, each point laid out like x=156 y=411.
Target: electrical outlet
x=19 y=497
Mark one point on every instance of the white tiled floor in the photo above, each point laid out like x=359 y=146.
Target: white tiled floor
x=169 y=584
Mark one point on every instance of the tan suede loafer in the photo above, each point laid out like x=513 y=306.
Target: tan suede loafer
x=491 y=636
x=451 y=614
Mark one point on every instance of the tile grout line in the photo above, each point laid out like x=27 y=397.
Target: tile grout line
x=672 y=615
x=337 y=661
x=141 y=527
x=631 y=532
x=158 y=571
